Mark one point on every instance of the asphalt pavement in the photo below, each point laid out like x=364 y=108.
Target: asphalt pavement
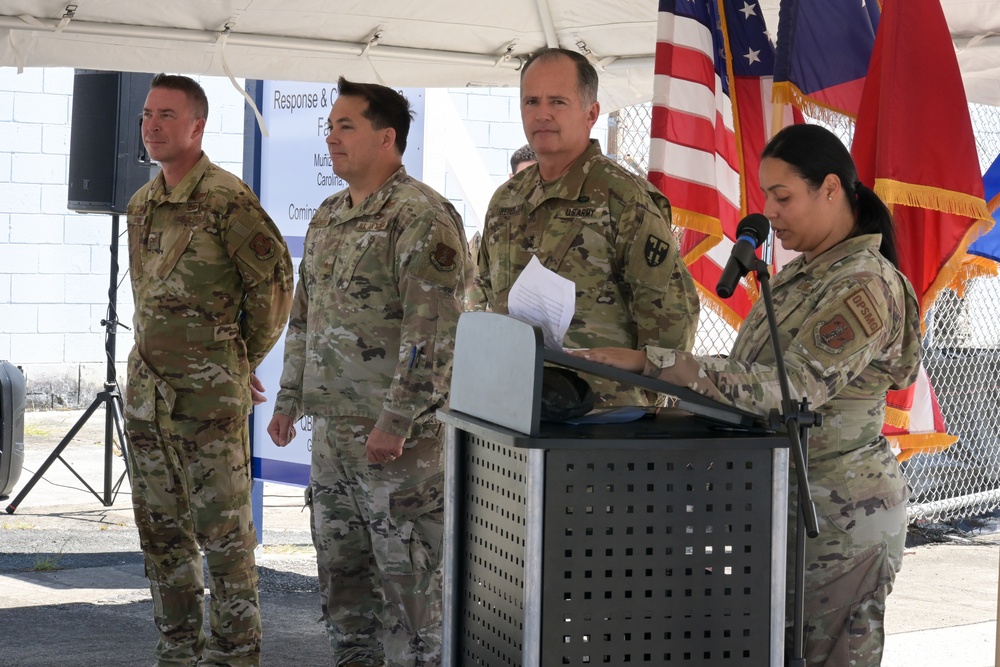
x=72 y=588
x=73 y=594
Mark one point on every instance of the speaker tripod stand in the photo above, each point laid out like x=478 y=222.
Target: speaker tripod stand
x=110 y=399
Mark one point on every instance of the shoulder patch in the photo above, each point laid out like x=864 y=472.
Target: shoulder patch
x=262 y=246
x=833 y=335
x=443 y=257
x=656 y=250
x=862 y=306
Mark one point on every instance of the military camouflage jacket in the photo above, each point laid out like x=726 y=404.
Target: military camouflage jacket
x=609 y=231
x=212 y=284
x=849 y=327
x=381 y=286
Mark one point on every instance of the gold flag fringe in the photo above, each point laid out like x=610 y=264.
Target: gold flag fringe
x=698 y=222
x=972 y=267
x=920 y=443
x=897 y=418
x=975 y=266
x=914 y=443
x=948 y=201
x=948 y=274
x=993 y=204
x=785 y=92
x=937 y=199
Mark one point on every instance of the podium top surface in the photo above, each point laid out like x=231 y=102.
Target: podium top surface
x=497 y=376
x=667 y=428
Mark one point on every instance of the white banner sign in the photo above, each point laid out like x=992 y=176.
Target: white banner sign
x=296 y=175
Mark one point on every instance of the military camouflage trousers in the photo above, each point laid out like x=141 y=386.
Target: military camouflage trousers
x=378 y=532
x=190 y=490
x=849 y=571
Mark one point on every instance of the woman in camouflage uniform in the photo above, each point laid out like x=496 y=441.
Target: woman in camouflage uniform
x=848 y=324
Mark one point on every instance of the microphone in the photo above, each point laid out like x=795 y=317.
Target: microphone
x=750 y=234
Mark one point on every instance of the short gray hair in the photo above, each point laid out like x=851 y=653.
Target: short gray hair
x=586 y=74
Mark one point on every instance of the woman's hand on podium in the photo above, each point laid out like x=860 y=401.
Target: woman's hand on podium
x=618 y=357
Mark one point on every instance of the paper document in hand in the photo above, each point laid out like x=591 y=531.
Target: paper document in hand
x=544 y=299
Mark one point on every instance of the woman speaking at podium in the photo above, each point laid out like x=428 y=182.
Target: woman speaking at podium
x=849 y=331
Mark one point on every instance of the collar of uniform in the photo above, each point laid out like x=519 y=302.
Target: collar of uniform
x=374 y=202
x=820 y=265
x=569 y=185
x=183 y=190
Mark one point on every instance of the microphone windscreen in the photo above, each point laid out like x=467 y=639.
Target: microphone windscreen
x=755 y=225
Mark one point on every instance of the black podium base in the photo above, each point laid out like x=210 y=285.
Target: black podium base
x=582 y=547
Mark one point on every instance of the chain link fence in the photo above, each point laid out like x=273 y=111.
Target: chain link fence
x=961 y=351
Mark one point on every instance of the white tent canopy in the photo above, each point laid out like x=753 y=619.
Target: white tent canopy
x=445 y=43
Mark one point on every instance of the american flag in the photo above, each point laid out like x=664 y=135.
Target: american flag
x=712 y=116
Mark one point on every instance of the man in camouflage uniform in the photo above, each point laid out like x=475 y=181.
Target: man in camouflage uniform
x=589 y=220
x=212 y=283
x=368 y=355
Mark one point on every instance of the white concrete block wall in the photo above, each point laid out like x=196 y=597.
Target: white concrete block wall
x=55 y=263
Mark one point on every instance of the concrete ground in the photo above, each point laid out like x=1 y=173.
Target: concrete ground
x=72 y=591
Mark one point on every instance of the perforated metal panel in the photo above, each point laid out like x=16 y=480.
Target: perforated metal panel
x=657 y=557
x=492 y=586
x=644 y=556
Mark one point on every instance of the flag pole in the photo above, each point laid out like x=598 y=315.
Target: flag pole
x=777 y=117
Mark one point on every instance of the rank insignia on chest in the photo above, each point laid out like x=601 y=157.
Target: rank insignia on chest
x=835 y=334
x=656 y=250
x=262 y=246
x=153 y=242
x=443 y=257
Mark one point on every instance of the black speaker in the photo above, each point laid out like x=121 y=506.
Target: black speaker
x=107 y=161
x=12 y=403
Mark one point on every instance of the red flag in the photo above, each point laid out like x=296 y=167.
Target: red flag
x=914 y=146
x=710 y=122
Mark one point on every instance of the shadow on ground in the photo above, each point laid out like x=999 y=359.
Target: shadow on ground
x=110 y=634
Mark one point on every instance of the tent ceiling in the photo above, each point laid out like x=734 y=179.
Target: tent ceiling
x=449 y=43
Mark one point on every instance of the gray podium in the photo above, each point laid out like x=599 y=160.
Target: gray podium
x=655 y=542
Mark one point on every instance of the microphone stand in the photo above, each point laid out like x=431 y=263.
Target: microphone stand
x=797 y=419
